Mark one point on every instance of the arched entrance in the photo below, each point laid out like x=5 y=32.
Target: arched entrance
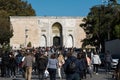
x=57 y=34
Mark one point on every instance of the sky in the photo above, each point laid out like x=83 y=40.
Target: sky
x=63 y=7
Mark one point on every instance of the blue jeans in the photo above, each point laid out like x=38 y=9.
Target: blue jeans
x=74 y=76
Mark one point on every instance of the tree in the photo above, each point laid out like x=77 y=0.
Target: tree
x=29 y=44
x=117 y=31
x=100 y=23
x=12 y=8
x=17 y=8
x=5 y=30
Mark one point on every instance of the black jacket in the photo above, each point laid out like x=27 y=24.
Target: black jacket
x=78 y=67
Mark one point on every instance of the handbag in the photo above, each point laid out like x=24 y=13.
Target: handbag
x=46 y=73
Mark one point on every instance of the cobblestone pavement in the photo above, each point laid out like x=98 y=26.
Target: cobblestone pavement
x=101 y=76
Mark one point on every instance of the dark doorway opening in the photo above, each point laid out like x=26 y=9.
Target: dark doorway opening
x=56 y=41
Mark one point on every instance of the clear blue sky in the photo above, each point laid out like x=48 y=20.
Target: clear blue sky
x=63 y=7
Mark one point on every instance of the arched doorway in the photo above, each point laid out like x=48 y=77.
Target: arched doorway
x=57 y=34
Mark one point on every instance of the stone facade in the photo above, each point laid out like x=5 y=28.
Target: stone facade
x=46 y=31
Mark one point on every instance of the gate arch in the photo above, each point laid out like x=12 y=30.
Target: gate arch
x=57 y=35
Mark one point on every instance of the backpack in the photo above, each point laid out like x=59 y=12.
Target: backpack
x=5 y=59
x=71 y=68
x=19 y=59
x=42 y=63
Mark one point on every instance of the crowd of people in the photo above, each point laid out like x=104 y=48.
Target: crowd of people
x=52 y=60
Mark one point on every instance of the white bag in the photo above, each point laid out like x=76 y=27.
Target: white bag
x=46 y=73
x=89 y=69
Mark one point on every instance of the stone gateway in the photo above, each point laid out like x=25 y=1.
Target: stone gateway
x=46 y=31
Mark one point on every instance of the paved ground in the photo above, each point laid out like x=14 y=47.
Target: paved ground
x=101 y=76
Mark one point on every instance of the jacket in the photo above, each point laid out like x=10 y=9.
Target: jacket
x=96 y=59
x=28 y=61
x=67 y=63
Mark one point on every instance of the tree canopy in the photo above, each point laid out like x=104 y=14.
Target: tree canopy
x=102 y=23
x=17 y=8
x=12 y=8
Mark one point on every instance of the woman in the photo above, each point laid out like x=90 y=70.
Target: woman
x=96 y=62
x=60 y=64
x=52 y=66
x=89 y=65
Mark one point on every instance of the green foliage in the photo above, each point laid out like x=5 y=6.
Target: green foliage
x=29 y=44
x=17 y=8
x=6 y=47
x=100 y=23
x=12 y=8
x=117 y=31
x=5 y=30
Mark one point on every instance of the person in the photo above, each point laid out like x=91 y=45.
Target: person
x=27 y=63
x=96 y=62
x=12 y=65
x=5 y=64
x=52 y=66
x=108 y=60
x=89 y=65
x=72 y=75
x=83 y=64
x=118 y=70
x=42 y=65
x=60 y=64
x=19 y=57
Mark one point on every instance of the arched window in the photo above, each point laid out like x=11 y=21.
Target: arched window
x=43 y=40
x=69 y=41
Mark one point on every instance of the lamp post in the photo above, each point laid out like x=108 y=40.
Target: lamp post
x=26 y=36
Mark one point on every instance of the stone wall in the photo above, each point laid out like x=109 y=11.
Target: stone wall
x=39 y=31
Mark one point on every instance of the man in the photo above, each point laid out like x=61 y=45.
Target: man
x=72 y=75
x=42 y=65
x=108 y=61
x=28 y=62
